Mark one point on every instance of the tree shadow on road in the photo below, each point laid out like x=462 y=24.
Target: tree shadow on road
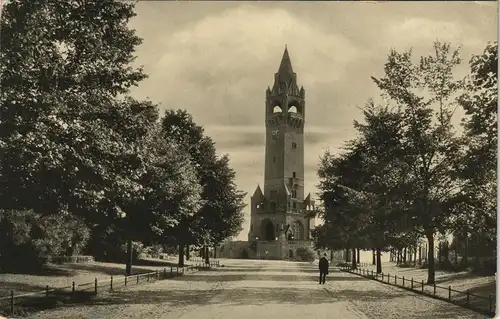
x=283 y=277
x=238 y=296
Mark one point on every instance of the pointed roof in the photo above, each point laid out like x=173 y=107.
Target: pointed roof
x=308 y=198
x=285 y=70
x=258 y=192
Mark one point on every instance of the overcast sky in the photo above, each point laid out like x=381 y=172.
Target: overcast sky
x=216 y=59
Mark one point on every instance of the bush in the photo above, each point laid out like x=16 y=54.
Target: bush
x=69 y=259
x=306 y=254
x=27 y=238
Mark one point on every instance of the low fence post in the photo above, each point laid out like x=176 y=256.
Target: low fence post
x=177 y=270
x=95 y=286
x=382 y=276
x=12 y=302
x=449 y=293
x=125 y=281
x=395 y=279
x=157 y=274
x=111 y=284
x=434 y=289
x=491 y=302
x=422 y=285
x=468 y=296
x=411 y=283
x=171 y=271
x=73 y=289
x=137 y=278
x=46 y=290
x=403 y=281
x=164 y=273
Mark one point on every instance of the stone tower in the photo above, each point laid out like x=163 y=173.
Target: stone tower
x=278 y=211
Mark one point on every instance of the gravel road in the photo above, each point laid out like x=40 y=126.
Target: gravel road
x=262 y=289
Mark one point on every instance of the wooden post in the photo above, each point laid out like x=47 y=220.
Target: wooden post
x=47 y=290
x=164 y=273
x=137 y=278
x=111 y=284
x=12 y=302
x=491 y=303
x=449 y=293
x=95 y=286
x=422 y=285
x=125 y=281
x=73 y=288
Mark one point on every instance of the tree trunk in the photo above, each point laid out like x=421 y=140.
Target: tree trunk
x=373 y=257
x=215 y=252
x=420 y=255
x=187 y=252
x=410 y=255
x=357 y=256
x=415 y=256
x=207 y=255
x=379 y=261
x=404 y=255
x=128 y=267
x=181 y=255
x=465 y=257
x=354 y=259
x=347 y=256
x=398 y=257
x=431 y=270
x=331 y=256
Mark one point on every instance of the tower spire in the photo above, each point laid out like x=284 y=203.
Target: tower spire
x=285 y=70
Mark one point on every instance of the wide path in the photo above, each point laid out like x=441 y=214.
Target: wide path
x=264 y=290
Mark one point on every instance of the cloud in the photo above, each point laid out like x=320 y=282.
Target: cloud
x=216 y=59
x=220 y=66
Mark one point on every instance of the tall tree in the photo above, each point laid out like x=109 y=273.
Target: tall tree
x=58 y=97
x=221 y=214
x=426 y=95
x=71 y=141
x=475 y=207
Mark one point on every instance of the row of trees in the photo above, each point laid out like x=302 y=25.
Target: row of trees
x=81 y=161
x=409 y=175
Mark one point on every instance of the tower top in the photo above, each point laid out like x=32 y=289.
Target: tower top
x=285 y=71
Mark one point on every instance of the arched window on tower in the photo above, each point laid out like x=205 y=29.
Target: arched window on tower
x=292 y=109
x=277 y=109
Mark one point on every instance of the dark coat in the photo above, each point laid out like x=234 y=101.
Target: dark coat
x=323 y=265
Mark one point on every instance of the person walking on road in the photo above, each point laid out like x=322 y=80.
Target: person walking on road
x=323 y=269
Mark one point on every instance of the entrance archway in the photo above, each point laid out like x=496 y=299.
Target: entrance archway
x=268 y=230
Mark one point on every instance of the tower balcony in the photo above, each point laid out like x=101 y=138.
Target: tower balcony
x=295 y=115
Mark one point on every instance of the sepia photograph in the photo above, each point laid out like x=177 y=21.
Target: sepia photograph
x=248 y=159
